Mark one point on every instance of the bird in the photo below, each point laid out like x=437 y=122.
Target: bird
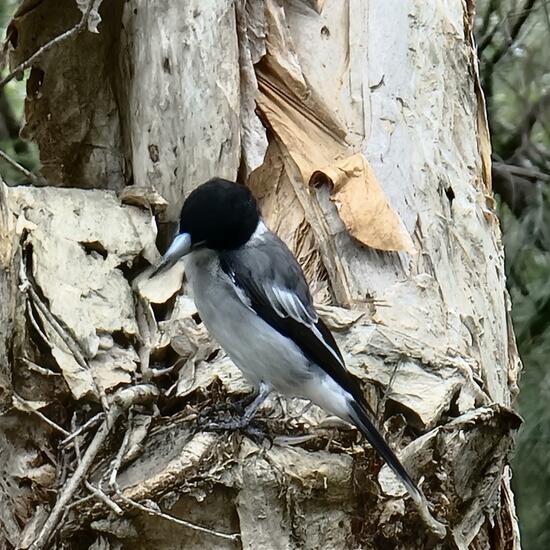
x=253 y=298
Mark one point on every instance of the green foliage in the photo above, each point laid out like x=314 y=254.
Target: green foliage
x=12 y=98
x=513 y=38
x=527 y=244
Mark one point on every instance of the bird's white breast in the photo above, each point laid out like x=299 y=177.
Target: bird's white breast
x=255 y=347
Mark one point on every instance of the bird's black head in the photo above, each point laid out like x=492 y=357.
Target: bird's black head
x=219 y=214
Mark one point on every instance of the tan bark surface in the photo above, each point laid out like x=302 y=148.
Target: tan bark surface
x=361 y=128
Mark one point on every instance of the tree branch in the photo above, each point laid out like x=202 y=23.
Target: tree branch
x=487 y=36
x=525 y=12
x=38 y=181
x=77 y=29
x=515 y=188
x=488 y=65
x=524 y=128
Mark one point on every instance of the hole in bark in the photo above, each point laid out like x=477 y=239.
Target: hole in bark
x=133 y=268
x=454 y=411
x=450 y=194
x=166 y=66
x=122 y=339
x=154 y=153
x=212 y=356
x=325 y=33
x=319 y=179
x=94 y=247
x=34 y=82
x=394 y=408
x=197 y=318
x=163 y=311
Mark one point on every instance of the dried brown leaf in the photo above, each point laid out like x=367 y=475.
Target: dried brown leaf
x=362 y=205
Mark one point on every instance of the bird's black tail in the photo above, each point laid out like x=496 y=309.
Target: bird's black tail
x=361 y=419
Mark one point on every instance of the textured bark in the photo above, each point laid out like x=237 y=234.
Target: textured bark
x=360 y=126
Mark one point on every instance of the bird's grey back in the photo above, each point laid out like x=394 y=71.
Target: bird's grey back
x=269 y=268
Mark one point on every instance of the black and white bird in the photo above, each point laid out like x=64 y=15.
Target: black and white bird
x=253 y=298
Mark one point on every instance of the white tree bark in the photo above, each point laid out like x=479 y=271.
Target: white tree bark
x=360 y=126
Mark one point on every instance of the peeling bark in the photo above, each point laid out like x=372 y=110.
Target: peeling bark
x=363 y=135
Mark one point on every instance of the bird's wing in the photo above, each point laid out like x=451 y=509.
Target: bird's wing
x=269 y=280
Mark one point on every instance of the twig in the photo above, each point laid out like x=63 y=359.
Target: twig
x=525 y=171
x=123 y=399
x=79 y=502
x=98 y=493
x=486 y=40
x=37 y=368
x=523 y=130
x=178 y=521
x=94 y=420
x=62 y=471
x=35 y=324
x=115 y=487
x=487 y=37
x=78 y=28
x=76 y=441
x=52 y=523
x=490 y=62
x=147 y=328
x=514 y=32
x=43 y=417
x=33 y=178
x=119 y=456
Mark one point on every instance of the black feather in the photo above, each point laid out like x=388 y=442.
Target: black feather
x=361 y=419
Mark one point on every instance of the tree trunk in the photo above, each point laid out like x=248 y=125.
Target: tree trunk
x=360 y=127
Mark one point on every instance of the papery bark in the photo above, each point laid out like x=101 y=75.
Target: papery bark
x=360 y=126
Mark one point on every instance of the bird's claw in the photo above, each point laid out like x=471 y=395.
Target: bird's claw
x=232 y=408
x=250 y=428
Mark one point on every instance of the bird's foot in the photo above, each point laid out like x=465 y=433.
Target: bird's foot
x=245 y=423
x=252 y=428
x=231 y=408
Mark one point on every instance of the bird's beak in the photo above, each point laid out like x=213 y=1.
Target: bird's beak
x=180 y=246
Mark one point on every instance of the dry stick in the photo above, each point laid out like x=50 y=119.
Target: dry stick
x=108 y=501
x=42 y=416
x=114 y=485
x=37 y=368
x=96 y=491
x=144 y=350
x=34 y=322
x=73 y=347
x=152 y=512
x=94 y=420
x=120 y=454
x=52 y=523
x=33 y=178
x=79 y=27
x=123 y=399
